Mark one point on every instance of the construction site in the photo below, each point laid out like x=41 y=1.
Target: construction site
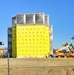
x=31 y=50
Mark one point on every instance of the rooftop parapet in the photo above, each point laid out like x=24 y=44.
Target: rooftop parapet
x=30 y=19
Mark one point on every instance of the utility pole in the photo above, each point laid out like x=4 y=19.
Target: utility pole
x=8 y=65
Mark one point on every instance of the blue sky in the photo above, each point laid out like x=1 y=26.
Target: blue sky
x=61 y=16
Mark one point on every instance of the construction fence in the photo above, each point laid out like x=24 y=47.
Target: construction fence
x=37 y=66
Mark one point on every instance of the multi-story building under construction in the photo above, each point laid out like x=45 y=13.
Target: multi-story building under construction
x=31 y=35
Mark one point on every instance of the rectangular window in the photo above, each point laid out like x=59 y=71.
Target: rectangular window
x=13 y=21
x=29 y=19
x=20 y=19
x=39 y=18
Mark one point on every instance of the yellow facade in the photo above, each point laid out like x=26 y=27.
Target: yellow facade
x=31 y=40
x=14 y=51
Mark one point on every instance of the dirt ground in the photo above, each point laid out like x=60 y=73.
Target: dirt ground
x=37 y=66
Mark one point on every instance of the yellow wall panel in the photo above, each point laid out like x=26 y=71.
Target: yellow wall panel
x=14 y=42
x=32 y=40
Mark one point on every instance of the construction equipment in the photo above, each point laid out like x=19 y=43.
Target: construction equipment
x=66 y=51
x=71 y=52
x=0 y=52
x=62 y=52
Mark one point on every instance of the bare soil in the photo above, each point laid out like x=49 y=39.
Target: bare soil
x=37 y=66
